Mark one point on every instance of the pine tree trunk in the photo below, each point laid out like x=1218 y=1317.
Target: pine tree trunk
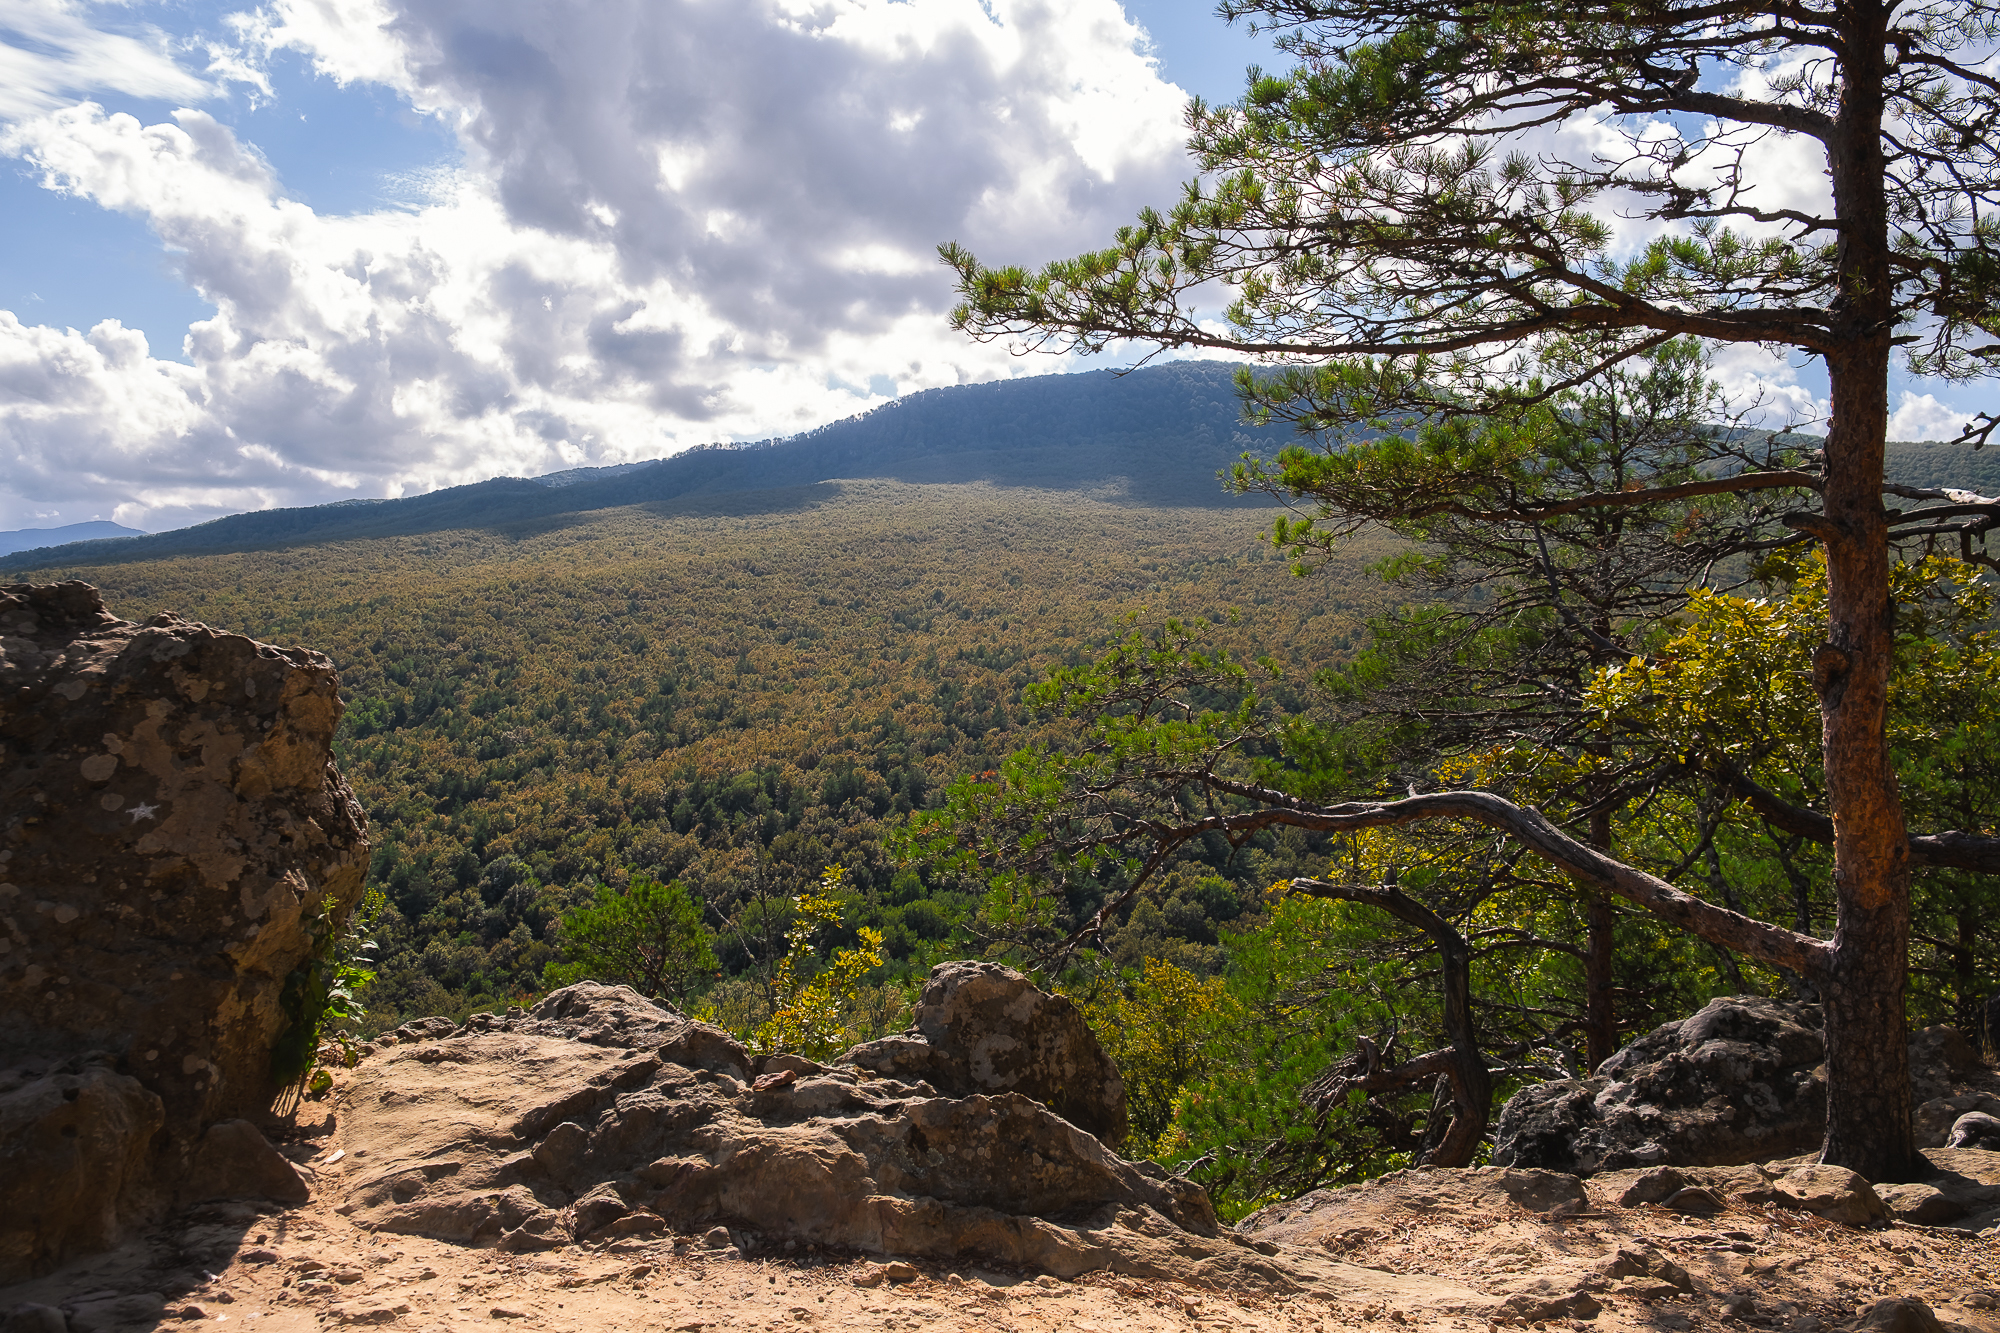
x=1600 y=1017
x=1600 y=1013
x=1868 y=1126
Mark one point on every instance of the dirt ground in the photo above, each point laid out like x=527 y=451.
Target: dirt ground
x=1418 y=1249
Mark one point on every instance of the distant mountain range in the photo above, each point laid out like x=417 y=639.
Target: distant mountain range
x=29 y=539
x=1156 y=437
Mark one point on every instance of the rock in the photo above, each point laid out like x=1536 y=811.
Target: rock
x=543 y=1229
x=1900 y=1314
x=563 y=1149
x=980 y=1028
x=1831 y=1192
x=1740 y=1081
x=383 y=1310
x=717 y=1238
x=1940 y=1058
x=448 y=1136
x=1969 y=1179
x=1986 y=1223
x=31 y=1318
x=1322 y=1218
x=1654 y=1186
x=898 y=1271
x=597 y=1210
x=111 y=1311
x=1924 y=1205
x=1932 y=1120
x=1645 y=1262
x=236 y=1162
x=1975 y=1129
x=173 y=836
x=1548 y=1300
x=76 y=1159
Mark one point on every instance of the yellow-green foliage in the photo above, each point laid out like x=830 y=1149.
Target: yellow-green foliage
x=1165 y=1028
x=816 y=1000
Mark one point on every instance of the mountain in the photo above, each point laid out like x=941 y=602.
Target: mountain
x=29 y=539
x=1156 y=437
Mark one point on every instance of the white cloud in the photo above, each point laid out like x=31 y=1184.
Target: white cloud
x=1765 y=388
x=1923 y=417
x=676 y=221
x=51 y=51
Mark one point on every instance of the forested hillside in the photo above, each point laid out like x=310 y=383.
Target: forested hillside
x=737 y=700
x=1156 y=436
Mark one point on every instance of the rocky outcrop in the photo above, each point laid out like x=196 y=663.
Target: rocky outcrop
x=1941 y=1059
x=173 y=841
x=984 y=1028
x=1743 y=1080
x=1740 y=1081
x=598 y=1113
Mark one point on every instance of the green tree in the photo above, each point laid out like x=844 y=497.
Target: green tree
x=1164 y=1028
x=1389 y=229
x=1731 y=695
x=816 y=1000
x=650 y=937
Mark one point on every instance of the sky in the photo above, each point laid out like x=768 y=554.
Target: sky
x=319 y=249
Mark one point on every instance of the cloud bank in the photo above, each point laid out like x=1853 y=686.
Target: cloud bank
x=674 y=221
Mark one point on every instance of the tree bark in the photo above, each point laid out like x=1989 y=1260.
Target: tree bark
x=1600 y=1011
x=1868 y=1076
x=1600 y=1015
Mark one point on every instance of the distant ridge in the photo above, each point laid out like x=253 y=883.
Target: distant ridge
x=1156 y=436
x=29 y=539
x=1159 y=435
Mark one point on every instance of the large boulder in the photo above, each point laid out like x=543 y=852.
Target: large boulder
x=598 y=1113
x=76 y=1156
x=174 y=841
x=984 y=1028
x=1743 y=1080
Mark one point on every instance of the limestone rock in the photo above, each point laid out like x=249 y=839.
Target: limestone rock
x=538 y=1126
x=981 y=1028
x=236 y=1162
x=1740 y=1081
x=174 y=825
x=76 y=1146
x=173 y=837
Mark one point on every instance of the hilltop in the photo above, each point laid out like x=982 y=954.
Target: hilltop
x=1153 y=437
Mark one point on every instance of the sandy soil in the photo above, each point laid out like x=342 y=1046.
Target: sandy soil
x=1410 y=1251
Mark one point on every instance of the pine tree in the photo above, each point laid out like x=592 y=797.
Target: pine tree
x=1408 y=213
